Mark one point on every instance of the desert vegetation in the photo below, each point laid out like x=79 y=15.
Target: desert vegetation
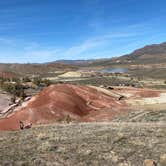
x=85 y=144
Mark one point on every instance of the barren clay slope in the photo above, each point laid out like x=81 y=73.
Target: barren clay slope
x=57 y=102
x=66 y=102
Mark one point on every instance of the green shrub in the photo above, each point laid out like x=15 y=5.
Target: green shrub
x=14 y=89
x=26 y=79
x=37 y=81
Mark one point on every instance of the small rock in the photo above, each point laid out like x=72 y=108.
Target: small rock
x=1 y=139
x=60 y=149
x=88 y=152
x=125 y=164
x=149 y=162
x=163 y=159
x=114 y=157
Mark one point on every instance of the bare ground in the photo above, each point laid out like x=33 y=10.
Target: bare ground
x=4 y=101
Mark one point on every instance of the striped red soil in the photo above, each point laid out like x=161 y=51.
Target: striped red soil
x=7 y=75
x=54 y=103
x=81 y=103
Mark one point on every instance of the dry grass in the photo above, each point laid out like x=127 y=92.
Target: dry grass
x=84 y=144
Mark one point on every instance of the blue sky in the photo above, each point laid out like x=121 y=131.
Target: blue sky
x=48 y=30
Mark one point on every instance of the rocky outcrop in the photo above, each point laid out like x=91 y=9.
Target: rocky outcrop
x=149 y=162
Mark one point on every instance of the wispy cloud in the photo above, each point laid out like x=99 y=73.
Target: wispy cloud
x=95 y=43
x=126 y=38
x=83 y=47
x=90 y=44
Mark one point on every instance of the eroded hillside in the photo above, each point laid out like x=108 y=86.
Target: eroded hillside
x=66 y=102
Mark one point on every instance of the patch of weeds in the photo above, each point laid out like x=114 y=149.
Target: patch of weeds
x=121 y=140
x=45 y=146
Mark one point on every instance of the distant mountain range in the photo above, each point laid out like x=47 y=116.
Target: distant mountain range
x=150 y=53
x=41 y=69
x=155 y=53
x=80 y=62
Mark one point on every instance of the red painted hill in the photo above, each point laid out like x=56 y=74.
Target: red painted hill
x=7 y=75
x=56 y=102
